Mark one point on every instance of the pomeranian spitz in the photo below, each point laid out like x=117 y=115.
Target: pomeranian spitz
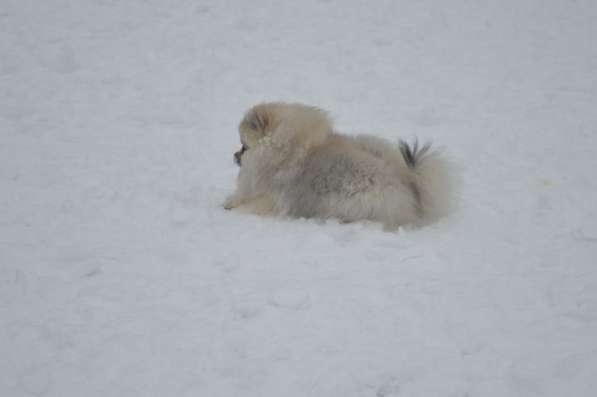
x=293 y=164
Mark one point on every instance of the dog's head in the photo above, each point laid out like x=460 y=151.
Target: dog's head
x=283 y=123
x=257 y=123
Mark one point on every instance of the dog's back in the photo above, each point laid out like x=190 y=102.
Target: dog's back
x=369 y=178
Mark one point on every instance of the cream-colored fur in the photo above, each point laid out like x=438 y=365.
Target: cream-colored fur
x=294 y=164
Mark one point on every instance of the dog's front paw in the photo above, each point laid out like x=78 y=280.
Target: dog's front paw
x=232 y=202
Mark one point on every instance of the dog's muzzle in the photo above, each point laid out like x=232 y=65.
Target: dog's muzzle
x=238 y=155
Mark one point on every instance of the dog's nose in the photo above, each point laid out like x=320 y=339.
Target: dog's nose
x=238 y=155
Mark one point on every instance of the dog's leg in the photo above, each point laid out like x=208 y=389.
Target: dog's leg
x=233 y=201
x=260 y=204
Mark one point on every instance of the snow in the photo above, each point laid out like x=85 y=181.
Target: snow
x=121 y=274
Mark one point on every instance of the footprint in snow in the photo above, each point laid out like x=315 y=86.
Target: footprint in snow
x=390 y=388
x=247 y=310
x=290 y=299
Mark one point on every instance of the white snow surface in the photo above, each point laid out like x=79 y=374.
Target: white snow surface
x=121 y=274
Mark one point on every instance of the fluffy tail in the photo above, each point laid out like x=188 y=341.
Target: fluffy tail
x=432 y=181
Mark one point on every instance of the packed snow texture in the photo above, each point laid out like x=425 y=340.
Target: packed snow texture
x=122 y=275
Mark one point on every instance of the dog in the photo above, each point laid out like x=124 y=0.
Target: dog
x=294 y=164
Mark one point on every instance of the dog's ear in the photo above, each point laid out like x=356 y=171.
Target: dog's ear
x=257 y=123
x=258 y=120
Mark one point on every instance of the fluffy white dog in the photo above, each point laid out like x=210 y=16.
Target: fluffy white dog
x=292 y=163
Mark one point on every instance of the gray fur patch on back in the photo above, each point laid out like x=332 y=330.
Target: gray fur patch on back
x=324 y=177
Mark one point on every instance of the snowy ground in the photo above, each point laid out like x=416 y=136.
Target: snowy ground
x=121 y=275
